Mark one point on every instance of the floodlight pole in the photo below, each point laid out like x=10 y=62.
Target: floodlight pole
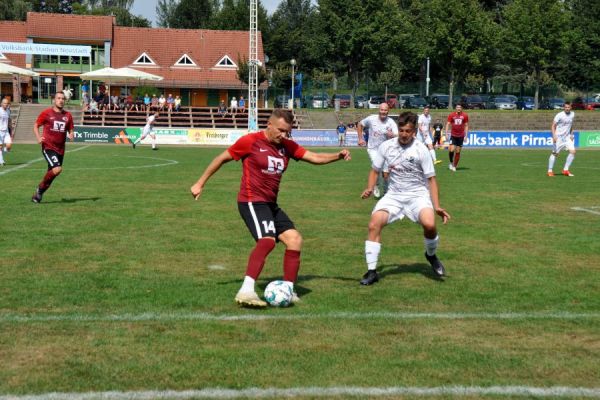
x=427 y=79
x=293 y=62
x=253 y=63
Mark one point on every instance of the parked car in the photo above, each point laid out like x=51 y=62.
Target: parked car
x=525 y=103
x=473 y=102
x=402 y=99
x=488 y=101
x=320 y=101
x=345 y=100
x=282 y=101
x=361 y=101
x=578 y=104
x=504 y=103
x=592 y=103
x=415 y=102
x=375 y=101
x=440 y=101
x=554 y=103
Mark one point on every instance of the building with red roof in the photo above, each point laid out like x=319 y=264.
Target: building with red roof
x=199 y=65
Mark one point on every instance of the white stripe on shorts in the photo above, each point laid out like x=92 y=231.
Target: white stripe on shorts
x=255 y=219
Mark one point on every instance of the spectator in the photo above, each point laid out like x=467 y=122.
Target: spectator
x=162 y=102
x=170 y=102
x=242 y=104
x=85 y=88
x=147 y=102
x=94 y=108
x=177 y=103
x=233 y=105
x=341 y=130
x=114 y=102
x=129 y=105
x=106 y=102
x=154 y=103
x=85 y=101
x=102 y=88
x=222 y=110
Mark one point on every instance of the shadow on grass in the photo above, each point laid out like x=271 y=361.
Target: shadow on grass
x=72 y=200
x=421 y=268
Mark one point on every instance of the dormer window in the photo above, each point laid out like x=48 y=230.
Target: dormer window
x=226 y=62
x=185 y=61
x=144 y=59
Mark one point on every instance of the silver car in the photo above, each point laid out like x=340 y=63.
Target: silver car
x=504 y=103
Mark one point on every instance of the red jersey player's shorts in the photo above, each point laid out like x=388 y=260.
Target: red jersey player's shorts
x=264 y=219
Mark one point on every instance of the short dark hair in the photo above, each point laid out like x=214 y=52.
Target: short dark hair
x=407 y=117
x=57 y=93
x=287 y=115
x=567 y=103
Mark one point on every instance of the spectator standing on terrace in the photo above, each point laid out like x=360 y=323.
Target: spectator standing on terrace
x=177 y=103
x=265 y=156
x=458 y=124
x=242 y=104
x=413 y=193
x=148 y=130
x=233 y=105
x=381 y=128
x=57 y=125
x=341 y=130
x=563 y=138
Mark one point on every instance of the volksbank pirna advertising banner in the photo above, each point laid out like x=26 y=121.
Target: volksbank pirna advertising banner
x=315 y=137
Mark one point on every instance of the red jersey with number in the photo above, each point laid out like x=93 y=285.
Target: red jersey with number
x=458 y=122
x=56 y=125
x=263 y=164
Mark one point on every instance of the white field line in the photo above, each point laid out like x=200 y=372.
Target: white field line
x=591 y=210
x=342 y=392
x=28 y=163
x=201 y=316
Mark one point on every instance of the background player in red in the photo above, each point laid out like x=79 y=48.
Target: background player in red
x=265 y=156
x=459 y=121
x=56 y=123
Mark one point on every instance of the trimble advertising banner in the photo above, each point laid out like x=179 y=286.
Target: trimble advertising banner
x=96 y=134
x=589 y=139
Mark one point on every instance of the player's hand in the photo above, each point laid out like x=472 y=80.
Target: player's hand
x=367 y=193
x=71 y=137
x=40 y=139
x=345 y=155
x=442 y=213
x=361 y=142
x=196 y=191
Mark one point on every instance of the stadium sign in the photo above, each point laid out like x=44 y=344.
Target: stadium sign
x=589 y=139
x=510 y=139
x=92 y=134
x=45 y=49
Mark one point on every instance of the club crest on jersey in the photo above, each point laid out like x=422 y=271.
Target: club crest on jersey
x=275 y=165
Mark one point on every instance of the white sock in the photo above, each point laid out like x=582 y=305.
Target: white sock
x=431 y=245
x=570 y=159
x=153 y=143
x=432 y=152
x=2 y=156
x=551 y=162
x=139 y=139
x=372 y=250
x=248 y=285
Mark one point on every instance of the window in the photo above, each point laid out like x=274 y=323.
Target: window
x=185 y=61
x=226 y=62
x=144 y=59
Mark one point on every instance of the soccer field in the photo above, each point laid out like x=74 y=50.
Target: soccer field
x=120 y=285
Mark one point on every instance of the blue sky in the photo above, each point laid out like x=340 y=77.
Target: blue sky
x=146 y=8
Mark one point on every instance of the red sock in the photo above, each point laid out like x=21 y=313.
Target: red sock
x=456 y=159
x=291 y=265
x=257 y=258
x=47 y=181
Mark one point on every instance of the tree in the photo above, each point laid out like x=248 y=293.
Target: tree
x=53 y=6
x=243 y=73
x=234 y=15
x=14 y=10
x=118 y=8
x=534 y=36
x=193 y=14
x=165 y=12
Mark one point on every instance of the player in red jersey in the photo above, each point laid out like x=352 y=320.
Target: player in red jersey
x=265 y=156
x=459 y=121
x=57 y=124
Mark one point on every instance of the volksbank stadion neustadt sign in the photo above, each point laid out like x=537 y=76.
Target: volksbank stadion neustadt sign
x=45 y=49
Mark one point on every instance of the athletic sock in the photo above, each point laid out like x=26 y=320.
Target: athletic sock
x=46 y=181
x=372 y=250
x=291 y=265
x=451 y=156
x=257 y=258
x=570 y=159
x=551 y=161
x=432 y=152
x=248 y=285
x=2 y=156
x=153 y=143
x=456 y=159
x=431 y=245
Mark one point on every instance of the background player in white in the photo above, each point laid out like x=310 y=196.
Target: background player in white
x=148 y=130
x=413 y=193
x=5 y=129
x=424 y=133
x=381 y=128
x=562 y=136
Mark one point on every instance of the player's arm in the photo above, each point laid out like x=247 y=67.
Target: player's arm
x=435 y=199
x=553 y=130
x=466 y=130
x=325 y=158
x=72 y=135
x=36 y=131
x=213 y=167
x=371 y=182
x=447 y=128
x=11 y=131
x=359 y=131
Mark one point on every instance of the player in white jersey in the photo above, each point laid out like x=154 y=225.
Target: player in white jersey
x=5 y=129
x=413 y=193
x=381 y=128
x=562 y=137
x=148 y=130
x=424 y=133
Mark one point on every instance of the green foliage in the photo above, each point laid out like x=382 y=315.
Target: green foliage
x=193 y=14
x=243 y=72
x=14 y=10
x=234 y=15
x=143 y=90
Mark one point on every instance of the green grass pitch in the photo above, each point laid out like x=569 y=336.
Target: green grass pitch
x=120 y=281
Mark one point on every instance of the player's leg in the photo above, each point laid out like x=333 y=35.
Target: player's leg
x=571 y=148
x=451 y=154
x=142 y=137
x=2 y=141
x=379 y=220
x=457 y=150
x=292 y=239
x=429 y=144
x=556 y=149
x=153 y=137
x=426 y=217
x=54 y=161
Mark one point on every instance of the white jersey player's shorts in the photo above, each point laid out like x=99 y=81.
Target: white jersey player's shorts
x=400 y=205
x=563 y=142
x=372 y=153
x=5 y=138
x=425 y=139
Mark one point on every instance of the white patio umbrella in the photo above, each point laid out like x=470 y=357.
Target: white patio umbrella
x=119 y=75
x=7 y=70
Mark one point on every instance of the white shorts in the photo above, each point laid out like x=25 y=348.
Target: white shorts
x=400 y=205
x=426 y=139
x=563 y=143
x=372 y=153
x=5 y=138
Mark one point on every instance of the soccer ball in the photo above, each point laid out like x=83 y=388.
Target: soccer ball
x=278 y=294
